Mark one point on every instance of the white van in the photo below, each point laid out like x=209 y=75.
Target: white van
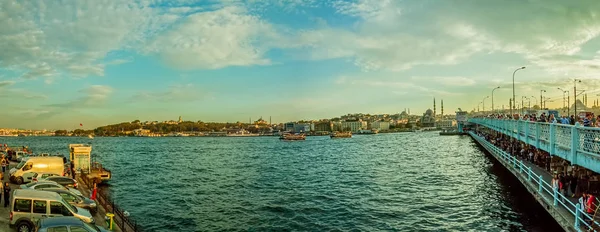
x=25 y=170
x=29 y=206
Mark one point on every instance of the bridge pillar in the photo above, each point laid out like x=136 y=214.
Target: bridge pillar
x=537 y=135
x=527 y=132
x=552 y=139
x=519 y=123
x=574 y=143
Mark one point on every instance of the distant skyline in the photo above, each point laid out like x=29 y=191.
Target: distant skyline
x=94 y=62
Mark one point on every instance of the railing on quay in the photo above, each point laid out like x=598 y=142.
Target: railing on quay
x=559 y=200
x=125 y=223
x=574 y=143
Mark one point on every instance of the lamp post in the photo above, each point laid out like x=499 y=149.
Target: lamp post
x=511 y=110
x=541 y=97
x=478 y=106
x=493 y=97
x=483 y=103
x=534 y=99
x=568 y=100
x=575 y=95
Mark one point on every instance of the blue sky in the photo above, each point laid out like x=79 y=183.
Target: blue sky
x=100 y=62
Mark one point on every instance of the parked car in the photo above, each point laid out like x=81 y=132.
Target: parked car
x=40 y=176
x=28 y=206
x=42 y=185
x=76 y=200
x=62 y=223
x=62 y=180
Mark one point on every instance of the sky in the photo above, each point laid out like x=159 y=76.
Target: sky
x=100 y=62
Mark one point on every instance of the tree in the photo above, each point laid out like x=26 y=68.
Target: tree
x=60 y=133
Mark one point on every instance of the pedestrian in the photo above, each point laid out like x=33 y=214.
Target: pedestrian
x=72 y=170
x=4 y=164
x=573 y=184
x=6 y=191
x=590 y=205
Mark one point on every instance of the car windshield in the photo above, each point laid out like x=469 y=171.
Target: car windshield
x=20 y=165
x=73 y=209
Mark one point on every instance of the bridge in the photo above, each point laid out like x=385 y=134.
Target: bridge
x=576 y=144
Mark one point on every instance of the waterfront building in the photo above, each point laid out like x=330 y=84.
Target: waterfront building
x=445 y=123
x=354 y=125
x=324 y=126
x=288 y=126
x=380 y=125
x=303 y=127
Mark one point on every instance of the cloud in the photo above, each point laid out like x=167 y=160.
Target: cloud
x=395 y=86
x=216 y=39
x=174 y=93
x=6 y=83
x=447 y=81
x=51 y=38
x=93 y=96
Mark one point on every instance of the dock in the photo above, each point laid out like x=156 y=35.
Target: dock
x=4 y=221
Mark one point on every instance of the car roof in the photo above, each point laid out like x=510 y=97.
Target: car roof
x=46 y=182
x=60 y=221
x=35 y=194
x=58 y=190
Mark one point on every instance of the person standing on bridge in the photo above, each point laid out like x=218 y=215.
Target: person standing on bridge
x=572 y=184
x=555 y=183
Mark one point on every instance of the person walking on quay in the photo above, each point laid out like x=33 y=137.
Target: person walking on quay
x=6 y=191
x=4 y=163
x=73 y=170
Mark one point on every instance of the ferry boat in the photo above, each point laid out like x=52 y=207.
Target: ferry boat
x=336 y=134
x=292 y=137
x=367 y=132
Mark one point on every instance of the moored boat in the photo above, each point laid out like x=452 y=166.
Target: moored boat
x=292 y=137
x=337 y=134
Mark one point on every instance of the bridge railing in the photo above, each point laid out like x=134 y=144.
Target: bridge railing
x=574 y=143
x=558 y=199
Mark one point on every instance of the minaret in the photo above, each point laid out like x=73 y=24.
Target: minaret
x=442 y=108
x=270 y=122
x=434 y=107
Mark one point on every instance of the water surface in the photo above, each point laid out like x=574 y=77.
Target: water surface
x=385 y=182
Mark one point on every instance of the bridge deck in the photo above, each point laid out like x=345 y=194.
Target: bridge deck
x=529 y=175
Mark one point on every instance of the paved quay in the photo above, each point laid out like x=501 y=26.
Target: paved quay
x=5 y=212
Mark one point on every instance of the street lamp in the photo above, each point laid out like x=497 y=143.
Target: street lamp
x=511 y=110
x=575 y=95
x=534 y=99
x=568 y=100
x=493 y=97
x=483 y=101
x=478 y=106
x=541 y=105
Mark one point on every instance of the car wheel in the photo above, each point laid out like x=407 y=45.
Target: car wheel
x=19 y=180
x=24 y=227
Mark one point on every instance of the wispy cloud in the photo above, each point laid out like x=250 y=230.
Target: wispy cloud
x=174 y=93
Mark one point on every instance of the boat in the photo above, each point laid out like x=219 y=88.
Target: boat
x=367 y=132
x=336 y=134
x=451 y=132
x=91 y=136
x=292 y=137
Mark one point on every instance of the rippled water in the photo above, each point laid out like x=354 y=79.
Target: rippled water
x=385 y=182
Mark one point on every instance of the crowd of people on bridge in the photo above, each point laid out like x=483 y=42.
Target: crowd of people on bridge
x=572 y=181
x=588 y=121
